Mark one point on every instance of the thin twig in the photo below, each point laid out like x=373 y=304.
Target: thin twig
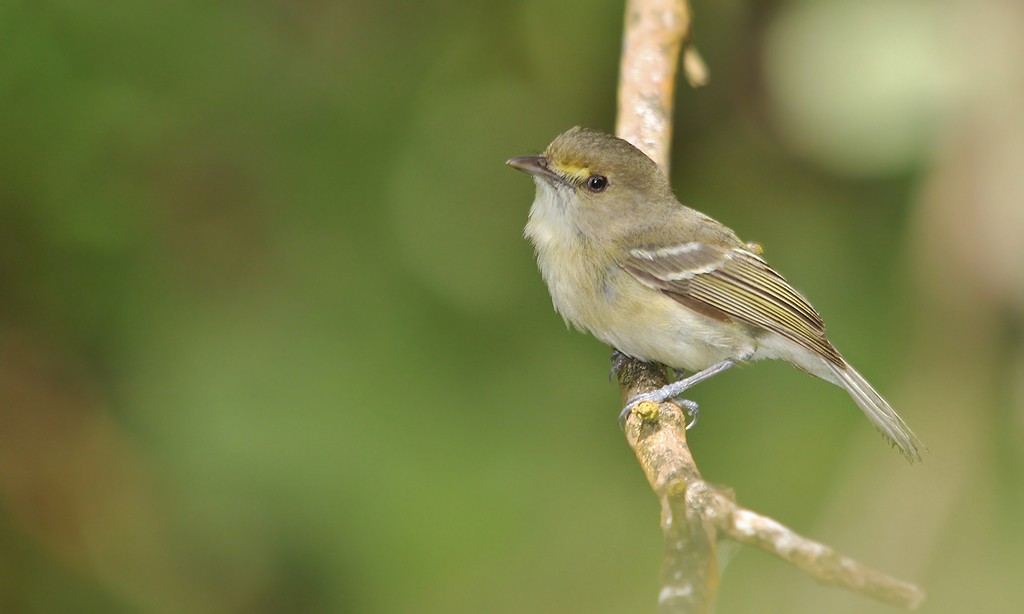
x=655 y=31
x=694 y=514
x=815 y=559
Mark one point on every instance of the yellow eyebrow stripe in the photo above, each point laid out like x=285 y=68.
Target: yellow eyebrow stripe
x=571 y=172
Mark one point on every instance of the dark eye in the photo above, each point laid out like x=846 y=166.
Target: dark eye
x=597 y=183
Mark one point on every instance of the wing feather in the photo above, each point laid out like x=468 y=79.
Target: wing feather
x=732 y=283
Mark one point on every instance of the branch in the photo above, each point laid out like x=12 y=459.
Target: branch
x=695 y=514
x=655 y=31
x=689 y=570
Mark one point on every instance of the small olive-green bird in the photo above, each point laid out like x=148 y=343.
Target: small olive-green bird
x=660 y=282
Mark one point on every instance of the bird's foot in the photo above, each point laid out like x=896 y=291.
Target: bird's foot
x=674 y=390
x=656 y=396
x=618 y=359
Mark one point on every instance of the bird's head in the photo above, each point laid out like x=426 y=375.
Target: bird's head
x=594 y=179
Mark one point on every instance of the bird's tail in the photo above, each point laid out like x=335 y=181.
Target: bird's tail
x=879 y=412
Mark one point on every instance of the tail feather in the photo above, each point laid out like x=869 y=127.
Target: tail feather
x=879 y=412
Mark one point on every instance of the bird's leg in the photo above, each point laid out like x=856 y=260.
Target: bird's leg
x=618 y=358
x=691 y=407
x=673 y=390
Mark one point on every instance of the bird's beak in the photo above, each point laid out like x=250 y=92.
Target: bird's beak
x=536 y=166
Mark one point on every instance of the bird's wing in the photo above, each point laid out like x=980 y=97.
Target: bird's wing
x=732 y=283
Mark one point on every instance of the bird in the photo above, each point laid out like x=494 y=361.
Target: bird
x=626 y=261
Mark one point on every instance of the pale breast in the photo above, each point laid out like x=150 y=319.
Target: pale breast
x=592 y=293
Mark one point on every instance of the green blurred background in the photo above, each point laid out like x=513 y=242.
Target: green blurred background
x=271 y=339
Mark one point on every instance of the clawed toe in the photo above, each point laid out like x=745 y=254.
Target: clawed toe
x=618 y=358
x=623 y=415
x=632 y=403
x=628 y=409
x=692 y=410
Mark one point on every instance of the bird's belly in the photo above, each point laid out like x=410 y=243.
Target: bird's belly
x=659 y=329
x=683 y=343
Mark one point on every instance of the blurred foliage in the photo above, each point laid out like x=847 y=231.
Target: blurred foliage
x=271 y=341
